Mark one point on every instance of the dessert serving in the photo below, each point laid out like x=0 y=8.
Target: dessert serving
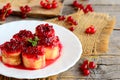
x=32 y=51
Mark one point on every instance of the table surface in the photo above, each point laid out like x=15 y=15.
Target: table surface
x=109 y=63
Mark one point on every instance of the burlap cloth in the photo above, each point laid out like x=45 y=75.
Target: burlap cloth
x=92 y=44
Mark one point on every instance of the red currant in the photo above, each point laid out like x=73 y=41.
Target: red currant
x=80 y=6
x=75 y=3
x=86 y=62
x=90 y=30
x=75 y=23
x=86 y=72
x=92 y=65
x=27 y=8
x=5 y=12
x=61 y=18
x=24 y=10
x=71 y=28
x=84 y=67
x=70 y=19
x=49 y=6
x=42 y=3
x=8 y=5
x=88 y=9
x=9 y=11
x=54 y=5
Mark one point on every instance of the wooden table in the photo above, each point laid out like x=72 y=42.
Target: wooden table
x=108 y=64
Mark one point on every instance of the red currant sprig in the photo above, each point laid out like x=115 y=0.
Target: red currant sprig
x=86 y=9
x=61 y=18
x=86 y=66
x=24 y=10
x=48 y=5
x=69 y=20
x=90 y=30
x=5 y=11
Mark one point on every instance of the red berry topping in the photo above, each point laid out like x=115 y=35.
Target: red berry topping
x=90 y=30
x=71 y=29
x=45 y=30
x=23 y=35
x=11 y=47
x=86 y=72
x=50 y=41
x=33 y=52
x=92 y=65
x=61 y=18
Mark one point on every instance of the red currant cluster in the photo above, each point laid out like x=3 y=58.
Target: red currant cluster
x=86 y=66
x=48 y=5
x=24 y=10
x=70 y=20
x=87 y=9
x=5 y=12
x=90 y=30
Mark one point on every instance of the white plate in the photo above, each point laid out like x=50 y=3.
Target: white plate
x=71 y=52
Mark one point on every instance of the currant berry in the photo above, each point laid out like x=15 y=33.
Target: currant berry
x=27 y=8
x=80 y=6
x=84 y=67
x=61 y=18
x=92 y=65
x=8 y=5
x=5 y=12
x=71 y=29
x=90 y=30
x=86 y=72
x=24 y=10
x=75 y=23
x=9 y=11
x=86 y=62
x=75 y=3
x=42 y=3
x=48 y=6
x=70 y=19
x=54 y=5
x=89 y=7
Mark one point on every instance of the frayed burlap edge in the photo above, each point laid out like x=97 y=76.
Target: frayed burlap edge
x=105 y=35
